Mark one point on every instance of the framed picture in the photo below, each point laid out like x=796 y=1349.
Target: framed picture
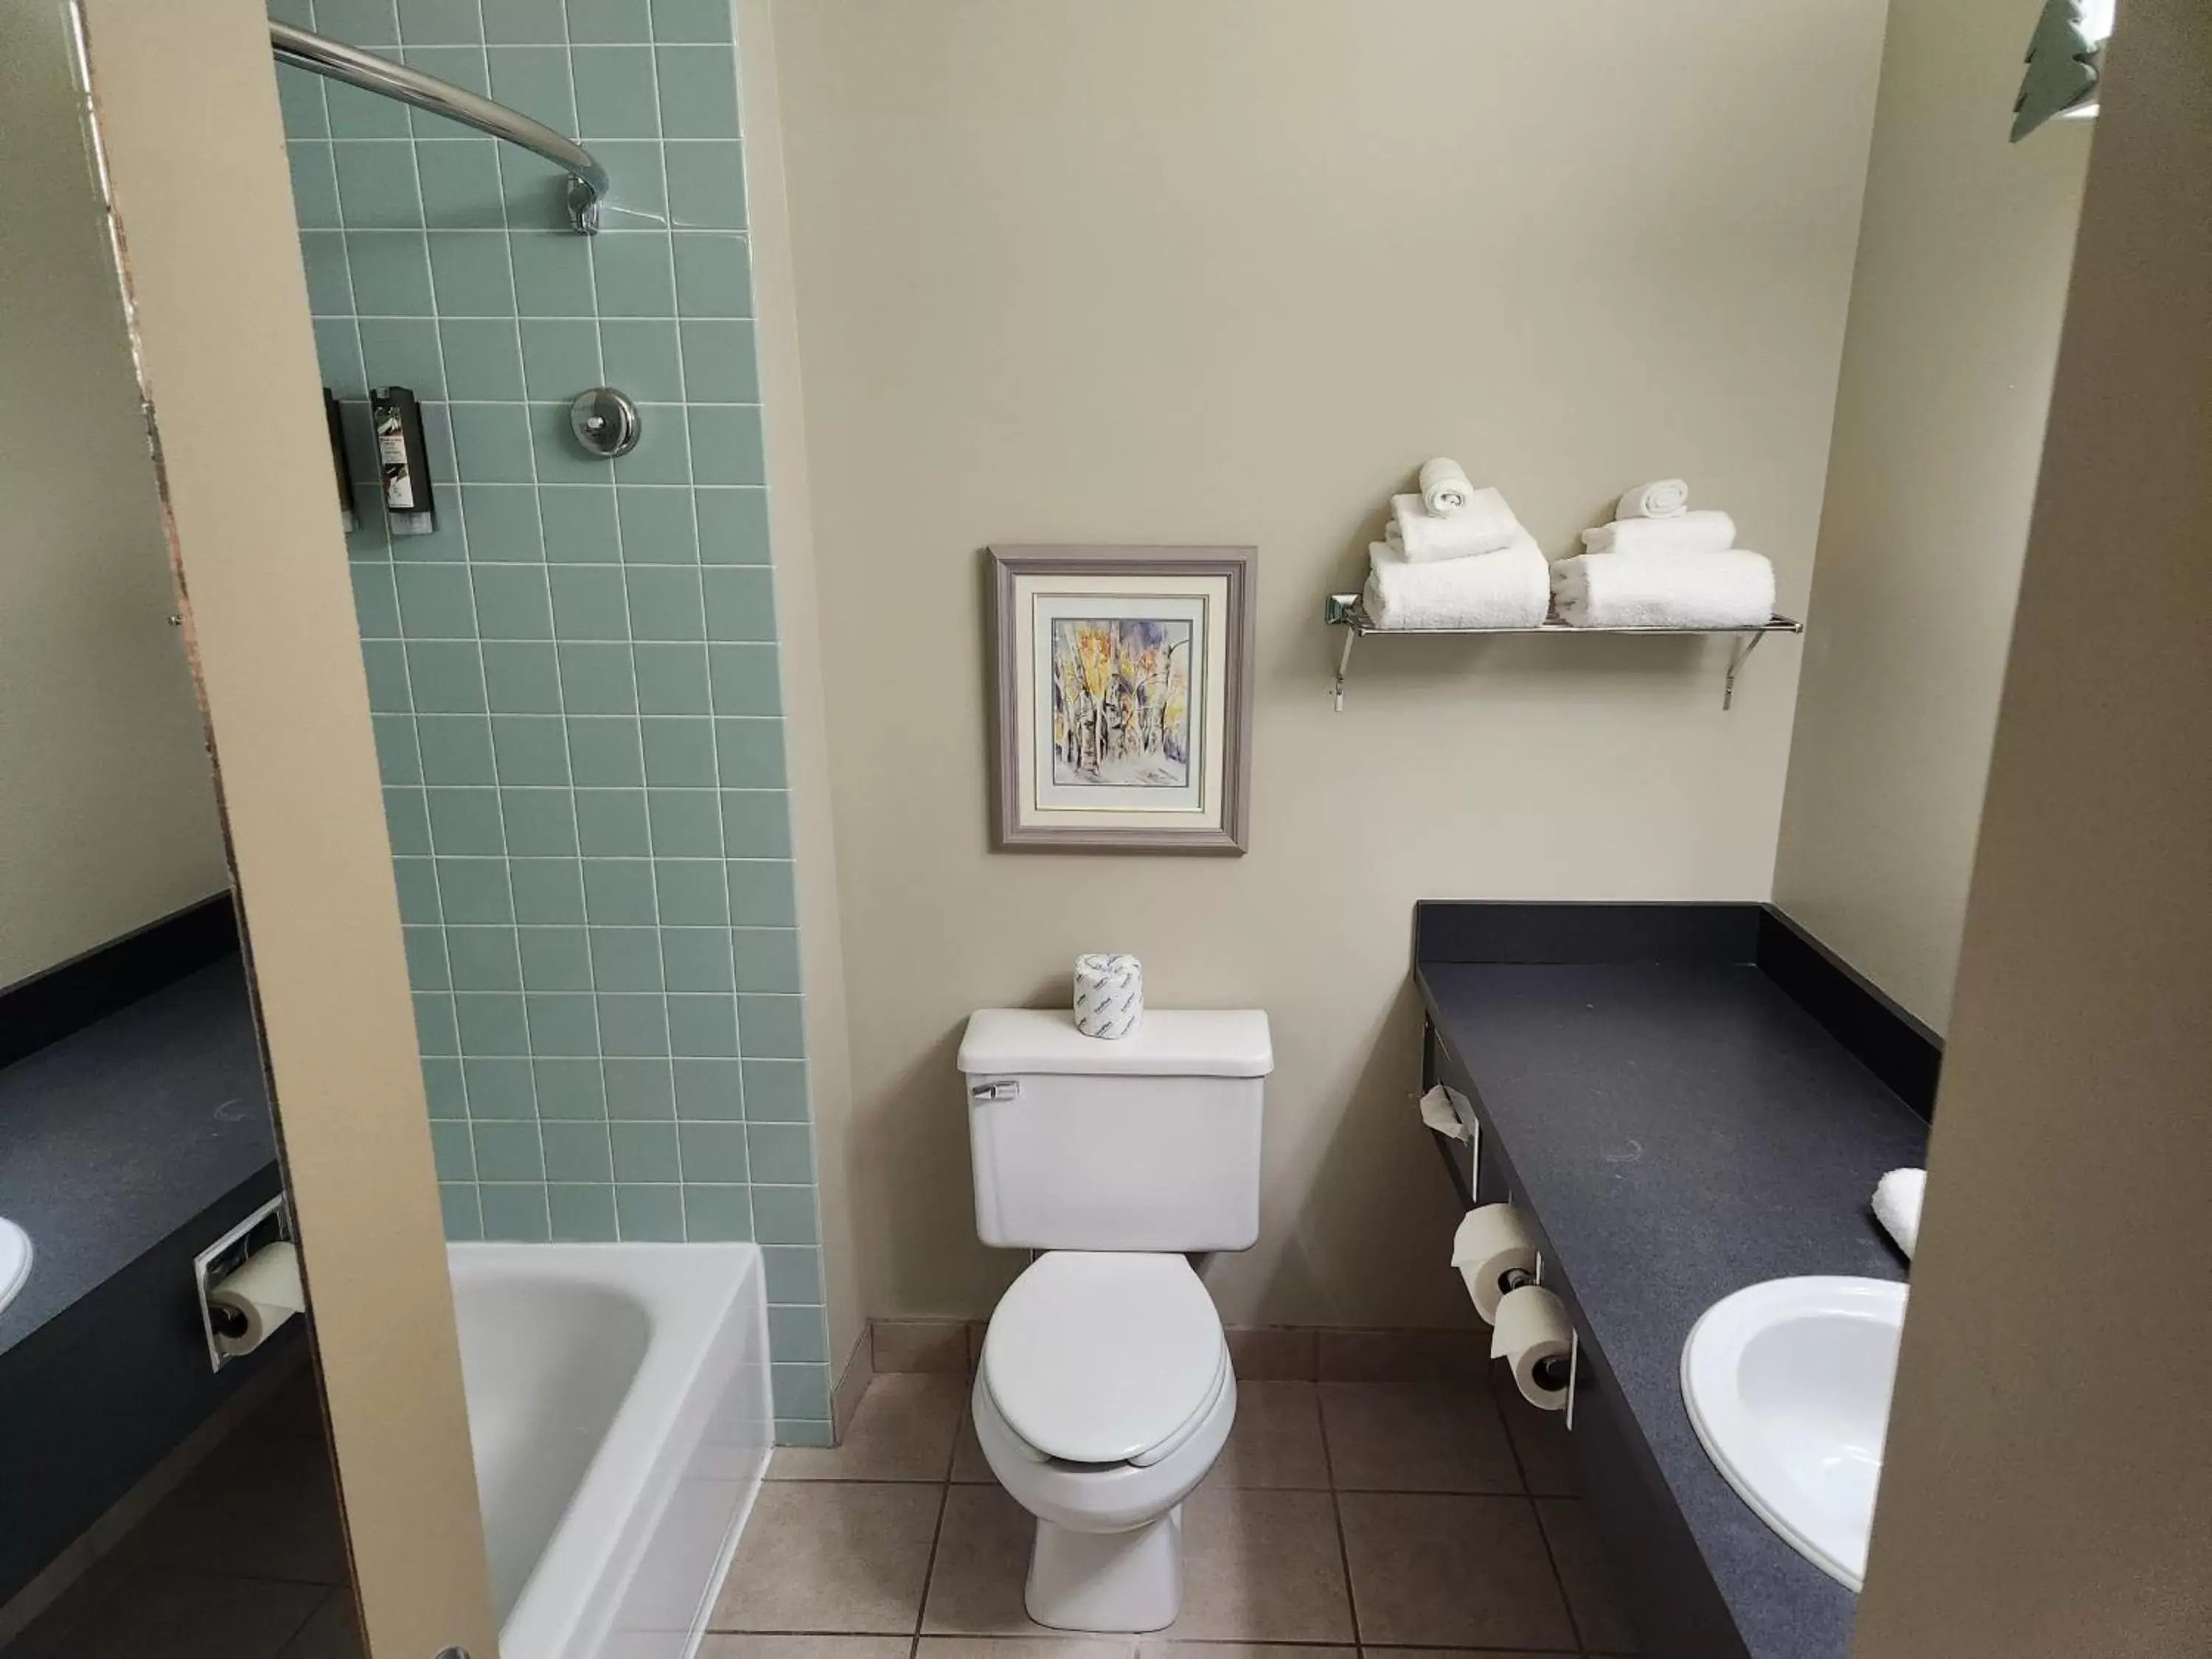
x=1124 y=698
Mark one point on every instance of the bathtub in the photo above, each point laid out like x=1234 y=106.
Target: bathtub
x=618 y=1404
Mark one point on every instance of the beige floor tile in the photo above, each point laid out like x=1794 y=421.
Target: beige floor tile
x=1262 y=1566
x=903 y=1431
x=918 y=1345
x=982 y=1561
x=1025 y=1647
x=1540 y=1440
x=1439 y=1571
x=1401 y=1356
x=1453 y=1653
x=1416 y=1436
x=1153 y=1646
x=969 y=1467
x=1589 y=1582
x=851 y=1557
x=1276 y=1439
x=262 y=1505
x=804 y=1647
x=175 y=1615
x=1269 y=1353
x=334 y=1632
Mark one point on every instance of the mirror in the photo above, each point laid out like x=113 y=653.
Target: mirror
x=165 y=1473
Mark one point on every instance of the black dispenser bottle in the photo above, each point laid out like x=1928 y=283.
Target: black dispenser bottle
x=336 y=422
x=402 y=461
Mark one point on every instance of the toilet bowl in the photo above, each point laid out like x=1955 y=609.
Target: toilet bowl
x=1103 y=1398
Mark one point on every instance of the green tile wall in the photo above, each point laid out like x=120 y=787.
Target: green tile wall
x=574 y=681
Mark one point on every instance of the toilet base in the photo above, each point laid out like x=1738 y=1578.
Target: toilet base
x=1107 y=1581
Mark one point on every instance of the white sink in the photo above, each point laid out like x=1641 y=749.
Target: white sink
x=14 y=1260
x=1788 y=1385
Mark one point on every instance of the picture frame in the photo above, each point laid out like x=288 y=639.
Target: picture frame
x=1123 y=698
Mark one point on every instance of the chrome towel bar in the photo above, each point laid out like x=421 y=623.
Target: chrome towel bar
x=587 y=178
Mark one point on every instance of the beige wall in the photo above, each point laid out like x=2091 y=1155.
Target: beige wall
x=107 y=811
x=1192 y=270
x=1955 y=308
x=2046 y=1492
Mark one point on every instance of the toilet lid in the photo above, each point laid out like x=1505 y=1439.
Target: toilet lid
x=1097 y=1357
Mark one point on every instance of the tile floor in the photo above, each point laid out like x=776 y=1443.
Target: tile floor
x=246 y=1559
x=1341 y=1516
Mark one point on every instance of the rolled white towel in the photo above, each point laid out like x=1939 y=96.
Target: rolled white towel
x=1897 y=1206
x=1708 y=532
x=1729 y=589
x=1484 y=525
x=1668 y=498
x=1508 y=588
x=1444 y=487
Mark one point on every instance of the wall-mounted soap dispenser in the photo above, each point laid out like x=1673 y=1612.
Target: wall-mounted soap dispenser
x=403 y=460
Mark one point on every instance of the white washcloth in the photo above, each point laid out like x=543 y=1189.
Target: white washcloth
x=1444 y=487
x=1668 y=498
x=1708 y=532
x=1484 y=525
x=1505 y=589
x=1897 y=1206
x=1728 y=589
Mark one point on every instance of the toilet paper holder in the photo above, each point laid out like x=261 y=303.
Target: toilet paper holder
x=269 y=1225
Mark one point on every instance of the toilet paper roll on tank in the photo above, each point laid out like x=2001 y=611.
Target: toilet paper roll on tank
x=1109 y=994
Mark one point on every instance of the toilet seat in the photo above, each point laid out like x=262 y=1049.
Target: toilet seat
x=1105 y=1358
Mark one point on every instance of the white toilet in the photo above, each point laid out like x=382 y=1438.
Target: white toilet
x=1104 y=1394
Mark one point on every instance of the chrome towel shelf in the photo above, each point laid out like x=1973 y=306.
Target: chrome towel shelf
x=1349 y=612
x=587 y=178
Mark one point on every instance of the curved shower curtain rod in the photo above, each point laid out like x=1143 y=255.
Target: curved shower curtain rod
x=587 y=178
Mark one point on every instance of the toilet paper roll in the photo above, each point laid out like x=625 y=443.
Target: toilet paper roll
x=1491 y=1243
x=1537 y=1344
x=1109 y=994
x=264 y=1293
x=1438 y=1113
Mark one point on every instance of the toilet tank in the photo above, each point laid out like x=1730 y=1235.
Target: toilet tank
x=1146 y=1142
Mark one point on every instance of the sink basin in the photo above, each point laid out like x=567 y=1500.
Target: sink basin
x=1788 y=1385
x=14 y=1260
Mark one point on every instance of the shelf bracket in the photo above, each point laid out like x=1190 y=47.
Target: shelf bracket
x=1737 y=657
x=1344 y=662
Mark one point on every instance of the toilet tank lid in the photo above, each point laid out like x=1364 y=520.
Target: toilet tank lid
x=1167 y=1043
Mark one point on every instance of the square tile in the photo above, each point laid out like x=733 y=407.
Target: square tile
x=471 y=272
x=657 y=526
x=982 y=1559
x=785 y=1215
x=581 y=1214
x=1276 y=1440
x=672 y=679
x=644 y=358
x=710 y=1090
x=713 y=275
x=1402 y=1356
x=706 y=184
x=522 y=677
x=554 y=276
x=1452 y=1571
x=805 y=1647
x=376 y=186
x=798 y=1335
x=679 y=751
x=616 y=97
x=793 y=1272
x=732 y=524
x=492 y=441
x=933 y=1345
x=849 y=1556
x=534 y=79
x=726 y=449
x=390 y=277
x=522 y=21
x=1262 y=1566
x=1591 y=1599
x=650 y=1213
x=593 y=20
x=461 y=186
x=1417 y=1436
x=723 y=1215
x=698 y=92
x=719 y=362
x=502 y=524
x=314 y=186
x=969 y=1467
x=530 y=748
x=483 y=363
x=745 y=679
x=691 y=19
x=634 y=274
x=767 y=959
x=1272 y=1353
x=1540 y=1440
x=515 y=1211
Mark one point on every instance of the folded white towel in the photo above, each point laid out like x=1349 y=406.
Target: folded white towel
x=1484 y=525
x=1505 y=589
x=1707 y=531
x=1444 y=486
x=1669 y=498
x=1728 y=589
x=1897 y=1206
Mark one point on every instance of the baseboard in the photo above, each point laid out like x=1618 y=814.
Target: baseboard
x=1260 y=1353
x=851 y=1383
x=114 y=1525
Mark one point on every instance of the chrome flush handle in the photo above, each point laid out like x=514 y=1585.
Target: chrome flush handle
x=1004 y=1089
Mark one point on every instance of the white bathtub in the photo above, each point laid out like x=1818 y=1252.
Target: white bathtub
x=618 y=1401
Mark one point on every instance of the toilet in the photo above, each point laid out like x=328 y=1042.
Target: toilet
x=1105 y=1392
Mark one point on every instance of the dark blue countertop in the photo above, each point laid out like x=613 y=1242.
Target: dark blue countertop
x=1678 y=1131
x=121 y=1133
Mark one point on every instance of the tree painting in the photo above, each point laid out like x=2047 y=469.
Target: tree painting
x=1121 y=701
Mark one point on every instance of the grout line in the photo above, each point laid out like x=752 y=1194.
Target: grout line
x=1336 y=1510
x=929 y=1571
